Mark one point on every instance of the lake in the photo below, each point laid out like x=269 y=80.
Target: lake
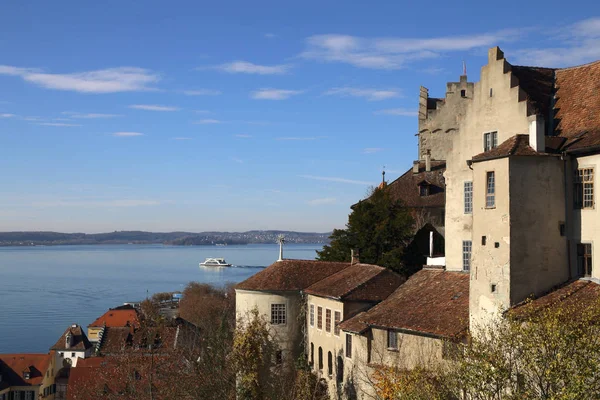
x=45 y=289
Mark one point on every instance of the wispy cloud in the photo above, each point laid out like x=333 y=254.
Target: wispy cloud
x=394 y=52
x=403 y=112
x=335 y=179
x=127 y=134
x=372 y=150
x=245 y=67
x=182 y=138
x=202 y=92
x=369 y=94
x=112 y=80
x=237 y=160
x=299 y=138
x=7 y=115
x=153 y=107
x=76 y=115
x=274 y=94
x=574 y=44
x=323 y=201
x=61 y=124
x=207 y=121
x=270 y=35
x=243 y=136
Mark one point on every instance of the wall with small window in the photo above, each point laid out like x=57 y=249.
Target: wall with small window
x=405 y=351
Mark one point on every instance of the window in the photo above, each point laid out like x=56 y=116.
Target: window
x=468 y=197
x=320 y=358
x=392 y=340
x=463 y=93
x=490 y=195
x=348 y=345
x=483 y=240
x=312 y=315
x=467 y=246
x=584 y=188
x=329 y=364
x=328 y=320
x=493 y=288
x=278 y=314
x=337 y=317
x=340 y=368
x=584 y=259
x=319 y=318
x=72 y=354
x=312 y=353
x=424 y=190
x=490 y=140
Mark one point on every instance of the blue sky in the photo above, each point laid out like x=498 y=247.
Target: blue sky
x=236 y=115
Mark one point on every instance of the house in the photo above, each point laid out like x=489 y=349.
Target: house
x=71 y=346
x=276 y=292
x=333 y=300
x=26 y=376
x=119 y=317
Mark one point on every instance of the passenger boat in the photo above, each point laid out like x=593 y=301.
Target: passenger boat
x=215 y=262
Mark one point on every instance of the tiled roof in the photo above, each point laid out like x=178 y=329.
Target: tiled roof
x=117 y=317
x=433 y=302
x=115 y=340
x=517 y=145
x=80 y=341
x=359 y=282
x=578 y=294
x=12 y=367
x=406 y=187
x=577 y=105
x=538 y=85
x=291 y=275
x=354 y=324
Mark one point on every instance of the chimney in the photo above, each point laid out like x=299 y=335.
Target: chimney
x=428 y=161
x=537 y=133
x=68 y=340
x=354 y=257
x=415 y=167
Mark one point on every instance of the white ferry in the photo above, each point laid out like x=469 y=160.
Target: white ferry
x=215 y=262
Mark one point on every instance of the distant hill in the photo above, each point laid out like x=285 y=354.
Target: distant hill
x=172 y=238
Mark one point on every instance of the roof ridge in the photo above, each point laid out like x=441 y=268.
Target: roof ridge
x=578 y=66
x=560 y=298
x=367 y=281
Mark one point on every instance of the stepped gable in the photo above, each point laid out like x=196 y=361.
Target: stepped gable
x=115 y=339
x=118 y=317
x=517 y=145
x=79 y=340
x=430 y=302
x=359 y=282
x=13 y=366
x=291 y=275
x=406 y=187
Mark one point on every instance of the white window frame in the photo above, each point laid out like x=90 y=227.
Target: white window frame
x=392 y=340
x=468 y=197
x=348 y=346
x=336 y=328
x=490 y=140
x=467 y=252
x=311 y=318
x=319 y=318
x=328 y=324
x=490 y=189
x=280 y=314
x=583 y=187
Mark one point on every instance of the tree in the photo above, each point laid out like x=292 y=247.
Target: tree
x=380 y=228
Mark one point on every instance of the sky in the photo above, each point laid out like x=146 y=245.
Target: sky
x=237 y=115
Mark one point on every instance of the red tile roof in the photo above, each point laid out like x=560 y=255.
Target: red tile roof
x=290 y=275
x=517 y=145
x=80 y=341
x=406 y=187
x=538 y=84
x=431 y=302
x=118 y=317
x=12 y=367
x=359 y=282
x=354 y=324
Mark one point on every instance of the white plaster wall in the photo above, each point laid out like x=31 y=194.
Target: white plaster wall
x=413 y=350
x=62 y=355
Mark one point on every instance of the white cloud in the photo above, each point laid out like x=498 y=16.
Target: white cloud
x=62 y=124
x=274 y=94
x=403 y=112
x=299 y=138
x=202 y=92
x=153 y=107
x=245 y=67
x=182 y=138
x=7 y=115
x=270 y=35
x=394 y=52
x=323 y=201
x=127 y=134
x=243 y=136
x=111 y=80
x=372 y=150
x=237 y=160
x=207 y=121
x=335 y=179
x=369 y=94
x=77 y=115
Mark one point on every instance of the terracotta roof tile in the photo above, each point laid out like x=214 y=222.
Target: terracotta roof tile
x=80 y=341
x=117 y=317
x=406 y=187
x=115 y=340
x=12 y=367
x=291 y=275
x=431 y=302
x=354 y=324
x=517 y=145
x=538 y=84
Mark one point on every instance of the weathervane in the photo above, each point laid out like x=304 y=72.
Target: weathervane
x=281 y=241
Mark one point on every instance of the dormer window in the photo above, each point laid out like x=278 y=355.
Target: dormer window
x=424 y=188
x=27 y=374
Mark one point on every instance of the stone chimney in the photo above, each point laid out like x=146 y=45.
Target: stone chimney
x=428 y=161
x=354 y=257
x=68 y=340
x=537 y=133
x=415 y=167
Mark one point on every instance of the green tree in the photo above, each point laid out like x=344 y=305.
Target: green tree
x=381 y=229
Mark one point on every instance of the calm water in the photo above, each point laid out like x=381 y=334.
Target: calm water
x=45 y=289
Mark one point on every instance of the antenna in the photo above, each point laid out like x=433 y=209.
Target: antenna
x=464 y=68
x=281 y=241
x=383 y=175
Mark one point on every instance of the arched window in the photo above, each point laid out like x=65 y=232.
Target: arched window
x=312 y=354
x=329 y=364
x=320 y=358
x=340 y=369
